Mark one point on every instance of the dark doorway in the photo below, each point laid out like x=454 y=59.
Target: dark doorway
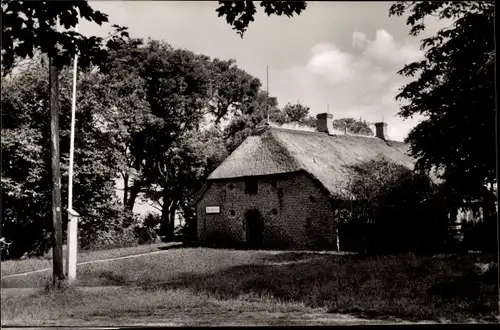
x=255 y=229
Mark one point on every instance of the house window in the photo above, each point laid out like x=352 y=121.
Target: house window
x=312 y=199
x=251 y=187
x=232 y=213
x=274 y=184
x=231 y=186
x=274 y=211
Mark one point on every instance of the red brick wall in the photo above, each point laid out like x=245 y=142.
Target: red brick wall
x=296 y=212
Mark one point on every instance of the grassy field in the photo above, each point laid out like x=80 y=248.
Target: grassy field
x=286 y=285
x=11 y=267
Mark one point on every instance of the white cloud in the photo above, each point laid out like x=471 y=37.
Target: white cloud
x=359 y=39
x=360 y=84
x=331 y=63
x=384 y=48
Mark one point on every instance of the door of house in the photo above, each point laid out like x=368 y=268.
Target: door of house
x=255 y=228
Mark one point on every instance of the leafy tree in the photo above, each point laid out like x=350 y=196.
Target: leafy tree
x=242 y=126
x=392 y=208
x=28 y=28
x=239 y=14
x=353 y=126
x=26 y=160
x=232 y=89
x=453 y=87
x=296 y=112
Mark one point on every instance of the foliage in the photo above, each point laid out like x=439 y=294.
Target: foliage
x=239 y=14
x=162 y=147
x=151 y=220
x=453 y=87
x=232 y=89
x=242 y=126
x=393 y=209
x=26 y=160
x=353 y=126
x=295 y=112
x=28 y=28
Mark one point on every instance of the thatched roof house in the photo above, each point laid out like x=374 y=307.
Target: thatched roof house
x=284 y=180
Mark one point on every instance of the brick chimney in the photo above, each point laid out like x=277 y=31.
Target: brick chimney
x=381 y=130
x=324 y=122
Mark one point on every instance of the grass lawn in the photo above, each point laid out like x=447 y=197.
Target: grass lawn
x=136 y=306
x=286 y=285
x=11 y=267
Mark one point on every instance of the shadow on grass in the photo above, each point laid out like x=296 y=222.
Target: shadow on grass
x=171 y=247
x=403 y=286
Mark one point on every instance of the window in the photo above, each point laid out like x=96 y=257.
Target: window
x=274 y=211
x=232 y=213
x=312 y=199
x=251 y=187
x=274 y=184
x=231 y=186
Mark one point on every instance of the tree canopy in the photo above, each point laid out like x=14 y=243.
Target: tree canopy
x=26 y=160
x=453 y=88
x=354 y=126
x=239 y=14
x=28 y=27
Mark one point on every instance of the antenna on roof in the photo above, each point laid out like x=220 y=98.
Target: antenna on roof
x=267 y=87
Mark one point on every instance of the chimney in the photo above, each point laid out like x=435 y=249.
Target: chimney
x=381 y=130
x=324 y=122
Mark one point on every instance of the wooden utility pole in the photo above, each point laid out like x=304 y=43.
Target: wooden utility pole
x=57 y=253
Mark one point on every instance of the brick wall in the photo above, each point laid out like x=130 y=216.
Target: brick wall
x=296 y=212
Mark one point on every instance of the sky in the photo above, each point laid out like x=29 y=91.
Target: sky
x=341 y=56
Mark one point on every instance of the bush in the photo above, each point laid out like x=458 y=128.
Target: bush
x=145 y=235
x=393 y=210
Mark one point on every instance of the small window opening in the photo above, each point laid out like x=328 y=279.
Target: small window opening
x=274 y=211
x=232 y=212
x=231 y=186
x=274 y=184
x=312 y=199
x=251 y=187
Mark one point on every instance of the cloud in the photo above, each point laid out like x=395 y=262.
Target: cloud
x=359 y=39
x=359 y=82
x=385 y=49
x=331 y=63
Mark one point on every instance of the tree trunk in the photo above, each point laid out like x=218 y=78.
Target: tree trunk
x=165 y=228
x=171 y=221
x=58 y=271
x=125 y=190
x=134 y=192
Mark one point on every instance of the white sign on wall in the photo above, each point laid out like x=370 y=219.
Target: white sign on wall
x=212 y=210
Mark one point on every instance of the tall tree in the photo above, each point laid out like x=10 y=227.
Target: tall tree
x=29 y=27
x=26 y=158
x=232 y=89
x=453 y=87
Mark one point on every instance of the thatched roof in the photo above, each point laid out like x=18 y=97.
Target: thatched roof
x=323 y=156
